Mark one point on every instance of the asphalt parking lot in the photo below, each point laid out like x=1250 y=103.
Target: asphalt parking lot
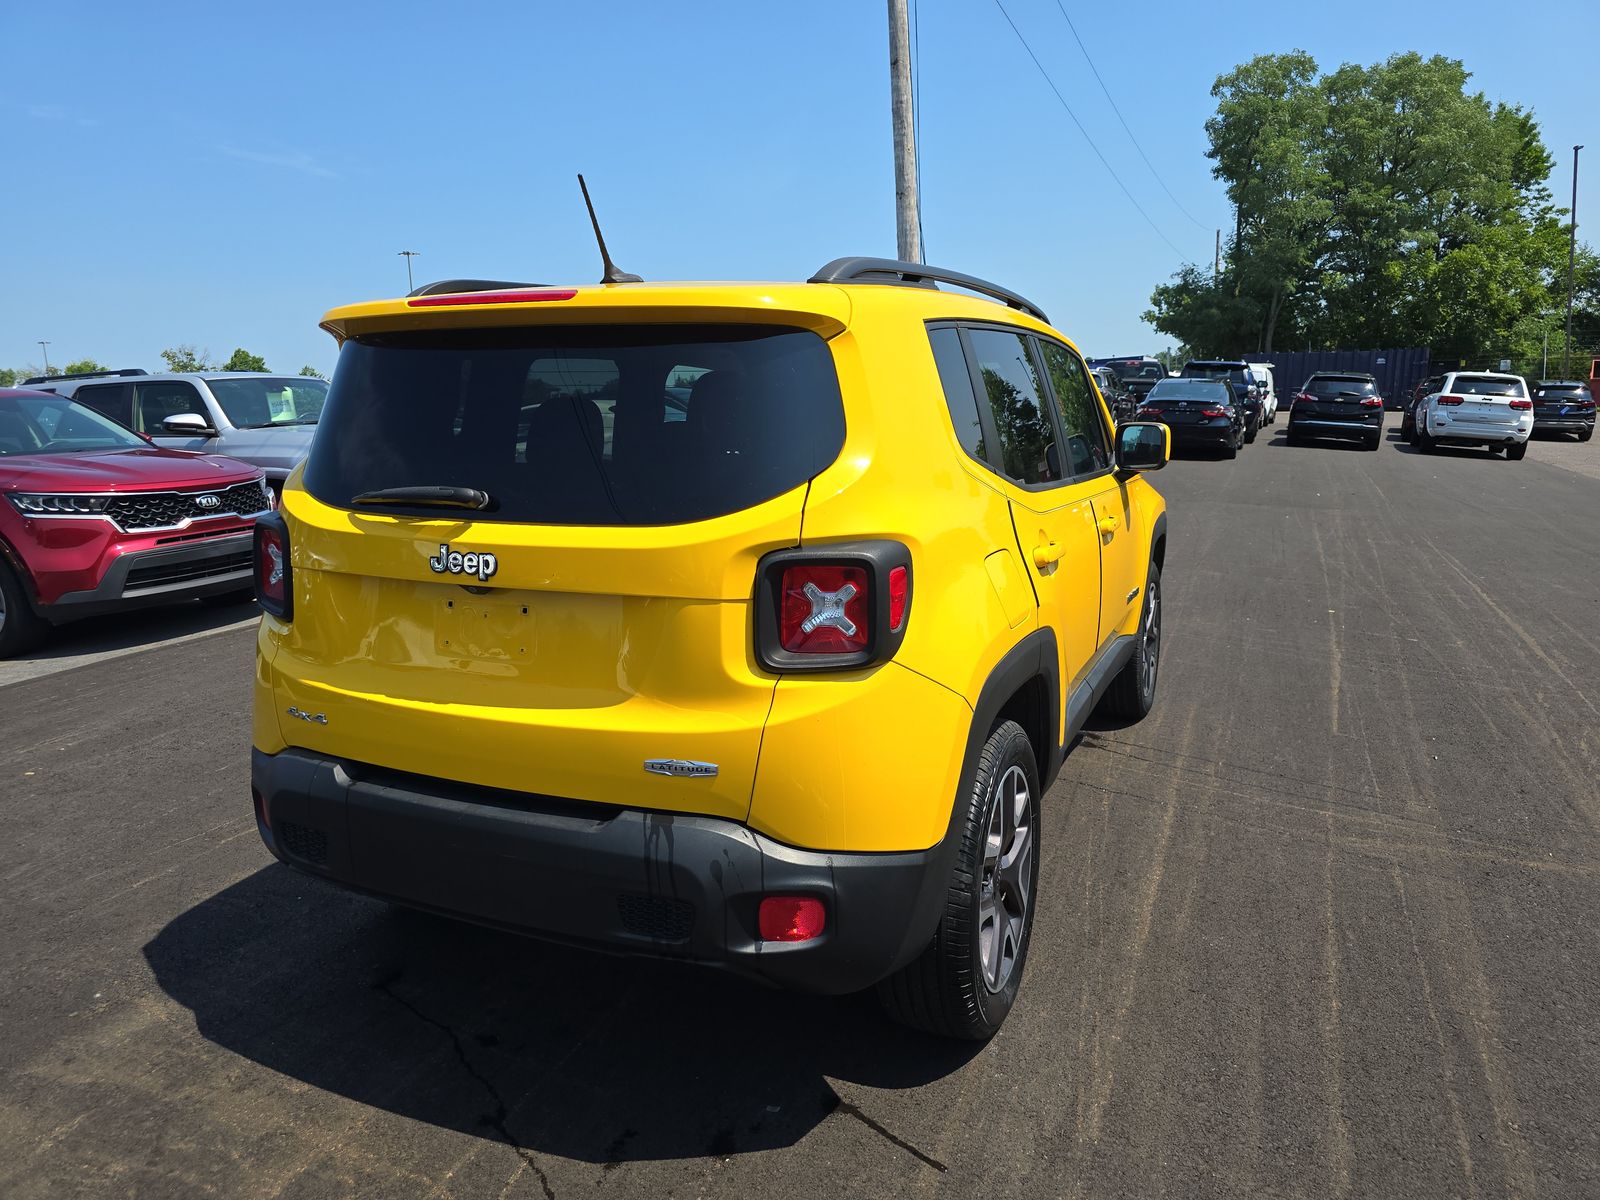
x=1324 y=924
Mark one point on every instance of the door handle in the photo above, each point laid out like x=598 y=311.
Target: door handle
x=1050 y=552
x=1108 y=525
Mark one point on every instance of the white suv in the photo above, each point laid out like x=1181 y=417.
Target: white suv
x=1476 y=408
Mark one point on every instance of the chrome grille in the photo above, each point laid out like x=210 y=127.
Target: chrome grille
x=164 y=510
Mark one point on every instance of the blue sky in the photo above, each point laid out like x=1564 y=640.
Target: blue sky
x=222 y=174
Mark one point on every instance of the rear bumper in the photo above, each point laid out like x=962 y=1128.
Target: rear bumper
x=1333 y=428
x=1568 y=424
x=1486 y=433
x=619 y=879
x=1202 y=435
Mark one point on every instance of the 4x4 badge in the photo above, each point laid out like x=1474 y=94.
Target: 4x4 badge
x=680 y=768
x=454 y=562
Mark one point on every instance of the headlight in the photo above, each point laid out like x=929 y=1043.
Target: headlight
x=48 y=504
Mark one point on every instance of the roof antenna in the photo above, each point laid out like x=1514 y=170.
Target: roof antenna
x=612 y=275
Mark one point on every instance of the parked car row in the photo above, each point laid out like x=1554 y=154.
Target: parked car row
x=1499 y=411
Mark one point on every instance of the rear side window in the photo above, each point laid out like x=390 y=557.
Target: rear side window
x=613 y=425
x=958 y=394
x=1016 y=396
x=1088 y=449
x=112 y=400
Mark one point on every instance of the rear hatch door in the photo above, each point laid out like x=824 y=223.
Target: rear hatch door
x=1485 y=401
x=572 y=619
x=1341 y=400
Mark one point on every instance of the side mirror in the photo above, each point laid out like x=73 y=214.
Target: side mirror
x=1143 y=446
x=192 y=424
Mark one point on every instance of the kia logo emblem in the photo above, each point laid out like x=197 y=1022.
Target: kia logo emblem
x=208 y=502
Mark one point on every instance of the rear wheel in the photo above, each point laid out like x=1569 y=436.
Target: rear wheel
x=1517 y=450
x=1372 y=442
x=20 y=628
x=1586 y=434
x=965 y=982
x=1424 y=441
x=1231 y=450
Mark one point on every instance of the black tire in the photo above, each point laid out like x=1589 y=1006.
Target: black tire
x=244 y=595
x=1230 y=451
x=1425 y=442
x=1586 y=434
x=1133 y=692
x=21 y=628
x=1294 y=438
x=1250 y=431
x=1517 y=451
x=947 y=990
x=1373 y=442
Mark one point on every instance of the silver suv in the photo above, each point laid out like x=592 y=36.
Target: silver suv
x=262 y=419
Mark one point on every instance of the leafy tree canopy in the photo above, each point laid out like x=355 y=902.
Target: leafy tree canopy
x=1379 y=205
x=187 y=358
x=243 y=360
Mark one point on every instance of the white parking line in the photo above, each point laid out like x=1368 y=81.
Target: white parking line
x=58 y=653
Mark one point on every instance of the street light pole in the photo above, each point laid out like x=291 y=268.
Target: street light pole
x=408 y=255
x=1572 y=258
x=44 y=346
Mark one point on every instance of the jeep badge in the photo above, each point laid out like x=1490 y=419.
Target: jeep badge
x=453 y=562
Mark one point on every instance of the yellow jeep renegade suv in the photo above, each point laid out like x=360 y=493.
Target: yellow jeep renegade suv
x=738 y=623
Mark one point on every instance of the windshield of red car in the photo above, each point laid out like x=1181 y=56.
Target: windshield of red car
x=45 y=424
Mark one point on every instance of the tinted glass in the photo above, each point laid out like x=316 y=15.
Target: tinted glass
x=1481 y=385
x=1326 y=386
x=615 y=425
x=1564 y=393
x=1088 y=447
x=258 y=403
x=113 y=400
x=55 y=425
x=1012 y=385
x=1214 y=390
x=958 y=394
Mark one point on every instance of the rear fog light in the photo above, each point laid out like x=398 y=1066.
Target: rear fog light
x=792 y=918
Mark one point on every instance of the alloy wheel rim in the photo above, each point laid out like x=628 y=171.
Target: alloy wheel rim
x=1152 y=639
x=1003 y=895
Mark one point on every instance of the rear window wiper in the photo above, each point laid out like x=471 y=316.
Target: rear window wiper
x=442 y=496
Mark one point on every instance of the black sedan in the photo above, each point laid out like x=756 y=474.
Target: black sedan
x=1200 y=412
x=1339 y=406
x=1563 y=406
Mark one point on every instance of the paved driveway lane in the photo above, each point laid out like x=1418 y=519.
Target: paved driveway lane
x=1323 y=925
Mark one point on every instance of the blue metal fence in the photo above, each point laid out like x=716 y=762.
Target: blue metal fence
x=1397 y=371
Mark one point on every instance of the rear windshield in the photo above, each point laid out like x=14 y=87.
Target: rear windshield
x=1483 y=385
x=257 y=403
x=642 y=425
x=1326 y=386
x=1188 y=389
x=1562 y=391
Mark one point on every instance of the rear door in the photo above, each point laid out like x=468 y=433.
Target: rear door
x=114 y=400
x=589 y=626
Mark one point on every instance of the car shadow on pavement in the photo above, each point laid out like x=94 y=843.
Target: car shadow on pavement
x=138 y=627
x=546 y=1048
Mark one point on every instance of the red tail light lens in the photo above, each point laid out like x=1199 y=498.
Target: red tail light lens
x=1451 y=401
x=1372 y=402
x=792 y=918
x=1213 y=412
x=1304 y=398
x=899 y=583
x=1149 y=411
x=825 y=610
x=273 y=573
x=1522 y=405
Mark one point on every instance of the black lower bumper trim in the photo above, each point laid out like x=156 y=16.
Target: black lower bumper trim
x=619 y=879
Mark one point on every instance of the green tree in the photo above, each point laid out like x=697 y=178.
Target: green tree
x=1374 y=206
x=311 y=372
x=83 y=366
x=243 y=360
x=9 y=377
x=187 y=358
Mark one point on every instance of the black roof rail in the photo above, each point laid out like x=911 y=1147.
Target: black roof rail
x=84 y=375
x=892 y=271
x=450 y=287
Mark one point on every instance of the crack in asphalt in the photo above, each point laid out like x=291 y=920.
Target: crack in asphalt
x=850 y=1110
x=495 y=1120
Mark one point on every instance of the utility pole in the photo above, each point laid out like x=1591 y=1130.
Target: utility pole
x=408 y=255
x=1572 y=258
x=1216 y=263
x=44 y=346
x=908 y=229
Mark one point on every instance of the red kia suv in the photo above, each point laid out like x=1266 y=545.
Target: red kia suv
x=93 y=518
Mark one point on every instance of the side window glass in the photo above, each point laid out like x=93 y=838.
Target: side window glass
x=958 y=394
x=1016 y=396
x=153 y=403
x=107 y=399
x=1088 y=447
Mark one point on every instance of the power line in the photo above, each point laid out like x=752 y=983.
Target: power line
x=1110 y=170
x=1118 y=111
